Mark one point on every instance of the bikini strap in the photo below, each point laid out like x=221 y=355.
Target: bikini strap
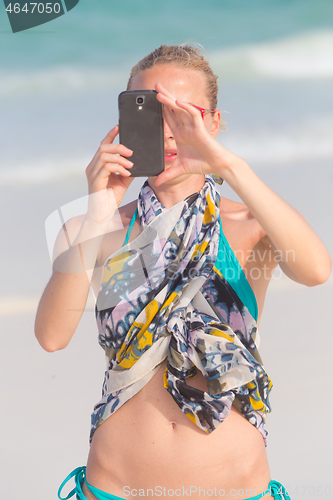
x=275 y=489
x=78 y=474
x=130 y=227
x=278 y=491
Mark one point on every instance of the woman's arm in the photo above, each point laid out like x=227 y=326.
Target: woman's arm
x=65 y=296
x=78 y=244
x=305 y=258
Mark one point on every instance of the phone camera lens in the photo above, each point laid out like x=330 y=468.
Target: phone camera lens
x=140 y=100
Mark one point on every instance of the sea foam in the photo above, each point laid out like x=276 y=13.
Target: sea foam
x=305 y=56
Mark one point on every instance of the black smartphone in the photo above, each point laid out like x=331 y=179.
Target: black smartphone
x=141 y=129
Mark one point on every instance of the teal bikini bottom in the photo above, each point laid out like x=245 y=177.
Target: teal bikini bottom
x=275 y=489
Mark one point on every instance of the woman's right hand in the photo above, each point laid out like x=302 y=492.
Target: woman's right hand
x=106 y=187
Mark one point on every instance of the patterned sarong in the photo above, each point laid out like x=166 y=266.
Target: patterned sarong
x=162 y=297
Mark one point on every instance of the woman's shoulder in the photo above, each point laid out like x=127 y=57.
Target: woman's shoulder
x=235 y=210
x=126 y=212
x=114 y=240
x=239 y=225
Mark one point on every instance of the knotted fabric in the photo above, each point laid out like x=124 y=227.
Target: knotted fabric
x=162 y=297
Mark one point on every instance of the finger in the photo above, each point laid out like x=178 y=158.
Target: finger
x=116 y=149
x=167 y=101
x=171 y=110
x=191 y=110
x=124 y=151
x=171 y=101
x=114 y=158
x=170 y=118
x=107 y=170
x=110 y=137
x=183 y=112
x=102 y=157
x=165 y=97
x=169 y=174
x=107 y=159
x=162 y=90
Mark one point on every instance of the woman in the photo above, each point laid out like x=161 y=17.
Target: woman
x=185 y=393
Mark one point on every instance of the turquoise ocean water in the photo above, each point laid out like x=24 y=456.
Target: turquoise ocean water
x=59 y=81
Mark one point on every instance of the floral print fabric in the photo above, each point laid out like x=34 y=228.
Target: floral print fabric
x=162 y=297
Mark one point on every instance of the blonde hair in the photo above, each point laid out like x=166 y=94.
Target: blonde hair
x=183 y=56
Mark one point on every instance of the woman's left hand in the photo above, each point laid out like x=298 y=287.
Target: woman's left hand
x=197 y=150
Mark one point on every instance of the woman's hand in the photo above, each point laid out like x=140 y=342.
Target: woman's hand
x=108 y=178
x=197 y=150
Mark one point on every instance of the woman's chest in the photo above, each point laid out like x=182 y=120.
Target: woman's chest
x=242 y=236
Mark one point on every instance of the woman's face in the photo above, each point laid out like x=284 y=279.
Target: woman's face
x=187 y=85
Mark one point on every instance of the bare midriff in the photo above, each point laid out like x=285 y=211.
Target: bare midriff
x=150 y=443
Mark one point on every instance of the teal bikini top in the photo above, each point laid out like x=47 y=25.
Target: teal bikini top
x=228 y=265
